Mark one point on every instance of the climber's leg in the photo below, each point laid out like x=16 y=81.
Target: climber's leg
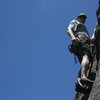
x=84 y=66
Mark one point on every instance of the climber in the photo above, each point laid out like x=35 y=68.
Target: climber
x=81 y=39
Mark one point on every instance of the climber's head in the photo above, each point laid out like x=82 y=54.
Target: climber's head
x=81 y=18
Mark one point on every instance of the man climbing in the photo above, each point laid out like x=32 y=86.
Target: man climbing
x=81 y=39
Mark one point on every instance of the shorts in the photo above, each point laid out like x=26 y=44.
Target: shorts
x=84 y=48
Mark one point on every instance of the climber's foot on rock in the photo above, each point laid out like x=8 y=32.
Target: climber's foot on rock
x=79 y=82
x=85 y=79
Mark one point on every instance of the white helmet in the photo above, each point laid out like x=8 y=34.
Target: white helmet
x=82 y=14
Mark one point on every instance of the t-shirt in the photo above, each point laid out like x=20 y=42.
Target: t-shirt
x=78 y=28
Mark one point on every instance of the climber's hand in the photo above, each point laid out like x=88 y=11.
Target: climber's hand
x=75 y=41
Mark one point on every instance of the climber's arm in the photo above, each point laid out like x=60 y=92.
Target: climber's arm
x=93 y=36
x=71 y=34
x=71 y=28
x=75 y=41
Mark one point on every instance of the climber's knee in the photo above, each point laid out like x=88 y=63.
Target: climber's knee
x=85 y=59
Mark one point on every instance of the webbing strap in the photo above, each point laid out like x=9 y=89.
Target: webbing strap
x=75 y=58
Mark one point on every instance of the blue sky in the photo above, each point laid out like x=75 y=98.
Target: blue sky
x=34 y=61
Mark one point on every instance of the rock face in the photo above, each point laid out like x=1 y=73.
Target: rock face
x=93 y=90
